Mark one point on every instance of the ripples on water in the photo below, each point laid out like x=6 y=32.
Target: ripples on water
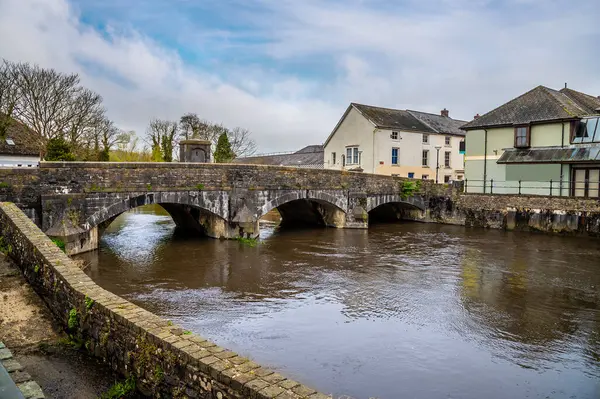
x=405 y=310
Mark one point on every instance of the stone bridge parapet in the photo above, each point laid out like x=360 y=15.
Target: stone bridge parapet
x=77 y=200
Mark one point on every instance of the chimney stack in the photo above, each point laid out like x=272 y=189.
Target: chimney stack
x=476 y=116
x=445 y=112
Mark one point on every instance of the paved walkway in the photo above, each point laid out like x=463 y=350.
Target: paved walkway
x=14 y=382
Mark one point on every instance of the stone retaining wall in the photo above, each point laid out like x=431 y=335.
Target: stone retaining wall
x=162 y=358
x=562 y=215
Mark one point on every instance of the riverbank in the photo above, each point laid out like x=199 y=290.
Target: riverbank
x=40 y=346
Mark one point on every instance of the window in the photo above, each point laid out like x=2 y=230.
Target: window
x=462 y=147
x=343 y=160
x=394 y=156
x=10 y=141
x=447 y=140
x=394 y=136
x=425 y=177
x=333 y=158
x=447 y=155
x=585 y=183
x=586 y=131
x=425 y=161
x=411 y=175
x=425 y=139
x=352 y=156
x=522 y=135
x=447 y=179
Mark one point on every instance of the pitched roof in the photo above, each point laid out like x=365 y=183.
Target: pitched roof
x=538 y=105
x=439 y=123
x=389 y=118
x=406 y=120
x=25 y=140
x=309 y=156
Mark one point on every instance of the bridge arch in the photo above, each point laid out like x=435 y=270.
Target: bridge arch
x=308 y=207
x=385 y=208
x=203 y=212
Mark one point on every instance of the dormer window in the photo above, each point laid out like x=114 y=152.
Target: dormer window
x=586 y=131
x=522 y=136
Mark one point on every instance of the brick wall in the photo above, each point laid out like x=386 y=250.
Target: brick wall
x=161 y=357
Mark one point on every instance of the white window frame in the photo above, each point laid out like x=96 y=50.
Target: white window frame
x=425 y=157
x=395 y=135
x=425 y=139
x=333 y=156
x=352 y=155
x=448 y=162
x=448 y=141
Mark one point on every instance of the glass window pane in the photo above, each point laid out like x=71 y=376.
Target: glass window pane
x=593 y=126
x=594 y=184
x=579 y=183
x=355 y=155
x=349 y=155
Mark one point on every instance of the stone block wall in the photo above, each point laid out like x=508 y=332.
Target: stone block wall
x=162 y=359
x=562 y=215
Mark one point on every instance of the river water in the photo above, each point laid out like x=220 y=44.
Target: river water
x=399 y=311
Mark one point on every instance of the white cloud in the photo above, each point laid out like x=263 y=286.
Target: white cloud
x=153 y=81
x=466 y=55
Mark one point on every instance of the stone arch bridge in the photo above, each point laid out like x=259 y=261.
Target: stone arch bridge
x=76 y=201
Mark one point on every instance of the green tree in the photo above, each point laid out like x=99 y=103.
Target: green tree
x=58 y=150
x=223 y=152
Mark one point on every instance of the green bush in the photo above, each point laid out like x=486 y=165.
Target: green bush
x=59 y=150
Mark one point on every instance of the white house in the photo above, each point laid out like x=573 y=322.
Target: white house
x=397 y=142
x=18 y=147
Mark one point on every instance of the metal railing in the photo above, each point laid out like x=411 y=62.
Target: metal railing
x=557 y=188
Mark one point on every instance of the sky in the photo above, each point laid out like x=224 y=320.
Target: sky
x=287 y=69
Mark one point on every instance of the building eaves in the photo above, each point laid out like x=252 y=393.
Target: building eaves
x=538 y=105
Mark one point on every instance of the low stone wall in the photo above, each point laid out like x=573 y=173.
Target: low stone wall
x=562 y=215
x=163 y=359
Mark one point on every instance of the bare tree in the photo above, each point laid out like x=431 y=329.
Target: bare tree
x=241 y=141
x=86 y=115
x=45 y=99
x=9 y=96
x=189 y=126
x=161 y=134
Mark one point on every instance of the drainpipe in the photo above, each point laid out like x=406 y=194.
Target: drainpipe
x=562 y=145
x=374 y=134
x=485 y=162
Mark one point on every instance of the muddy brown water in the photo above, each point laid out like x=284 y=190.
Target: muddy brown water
x=399 y=311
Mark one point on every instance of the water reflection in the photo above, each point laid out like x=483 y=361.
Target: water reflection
x=408 y=310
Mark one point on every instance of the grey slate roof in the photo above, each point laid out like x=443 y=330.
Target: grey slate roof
x=388 y=118
x=405 y=120
x=309 y=156
x=25 y=140
x=439 y=123
x=538 y=105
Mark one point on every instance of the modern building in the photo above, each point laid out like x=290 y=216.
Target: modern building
x=544 y=142
x=308 y=157
x=397 y=142
x=19 y=147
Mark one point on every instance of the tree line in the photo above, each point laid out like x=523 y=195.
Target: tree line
x=69 y=122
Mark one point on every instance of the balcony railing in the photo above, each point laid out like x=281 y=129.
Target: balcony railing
x=553 y=188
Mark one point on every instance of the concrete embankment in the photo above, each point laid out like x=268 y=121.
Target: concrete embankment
x=162 y=359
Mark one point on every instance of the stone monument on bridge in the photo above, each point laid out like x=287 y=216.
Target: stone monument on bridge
x=194 y=151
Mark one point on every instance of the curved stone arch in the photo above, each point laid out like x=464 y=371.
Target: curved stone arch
x=318 y=196
x=378 y=200
x=134 y=200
